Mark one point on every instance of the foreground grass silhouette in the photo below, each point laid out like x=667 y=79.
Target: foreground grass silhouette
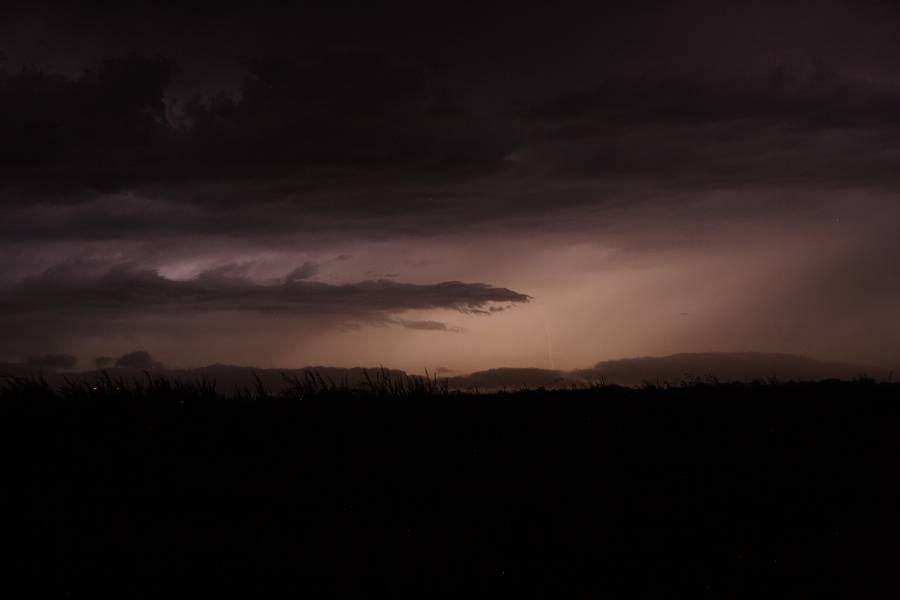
x=699 y=489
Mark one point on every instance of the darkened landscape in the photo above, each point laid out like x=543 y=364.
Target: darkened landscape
x=717 y=490
x=450 y=299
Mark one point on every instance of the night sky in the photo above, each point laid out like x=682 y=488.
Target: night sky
x=449 y=186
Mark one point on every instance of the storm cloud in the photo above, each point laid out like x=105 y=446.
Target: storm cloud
x=176 y=169
x=110 y=299
x=123 y=290
x=111 y=128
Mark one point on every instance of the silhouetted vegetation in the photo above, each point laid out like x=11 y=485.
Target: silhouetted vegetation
x=698 y=488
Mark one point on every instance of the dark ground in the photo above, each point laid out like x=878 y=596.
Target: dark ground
x=718 y=491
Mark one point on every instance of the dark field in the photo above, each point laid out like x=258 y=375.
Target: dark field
x=700 y=490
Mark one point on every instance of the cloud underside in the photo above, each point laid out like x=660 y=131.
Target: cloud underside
x=469 y=144
x=364 y=144
x=116 y=127
x=428 y=325
x=123 y=293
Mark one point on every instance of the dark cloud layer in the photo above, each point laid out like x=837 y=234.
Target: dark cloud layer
x=296 y=153
x=122 y=290
x=111 y=127
x=169 y=139
x=121 y=299
x=790 y=125
x=313 y=121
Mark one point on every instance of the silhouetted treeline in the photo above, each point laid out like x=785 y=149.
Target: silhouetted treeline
x=675 y=369
x=703 y=489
